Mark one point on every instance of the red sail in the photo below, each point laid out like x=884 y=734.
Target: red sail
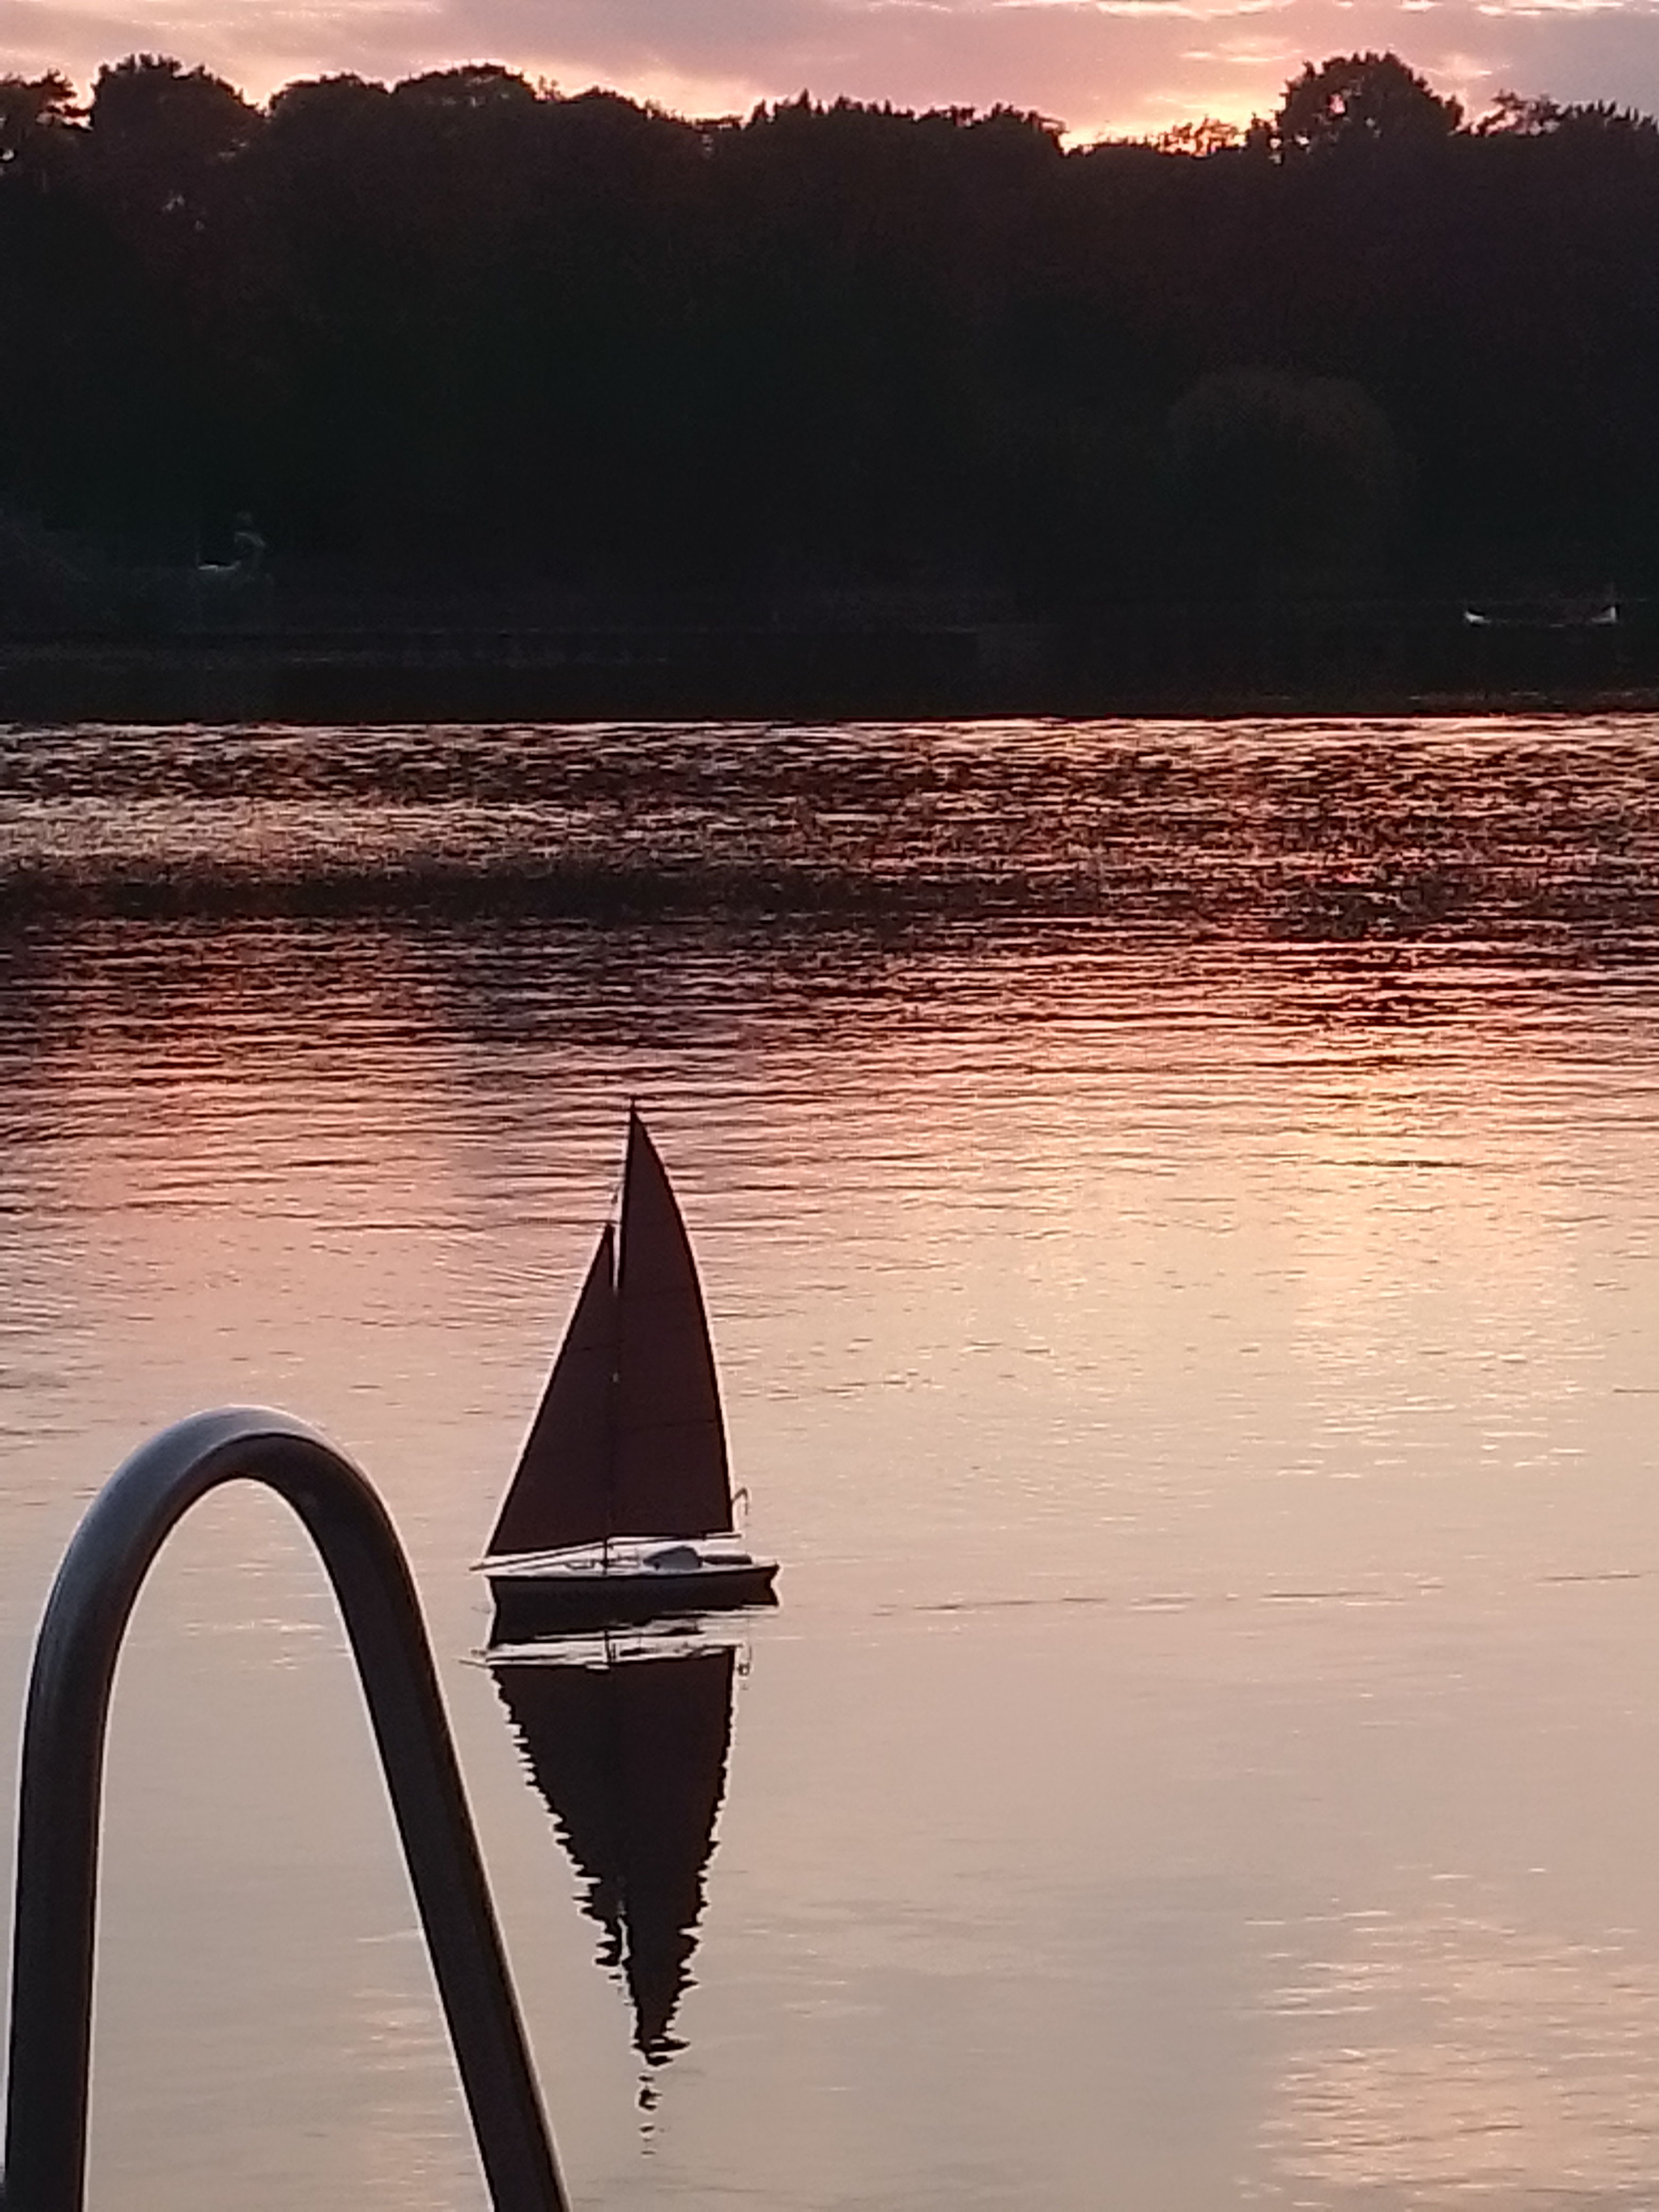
x=670 y=1466
x=561 y=1491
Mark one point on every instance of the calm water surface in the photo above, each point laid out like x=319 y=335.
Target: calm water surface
x=1178 y=1205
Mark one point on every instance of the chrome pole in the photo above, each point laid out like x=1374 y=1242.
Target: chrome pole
x=60 y=1791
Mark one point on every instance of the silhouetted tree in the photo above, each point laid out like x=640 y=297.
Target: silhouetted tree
x=1283 y=479
x=1360 y=100
x=1513 y=114
x=36 y=112
x=160 y=133
x=464 y=329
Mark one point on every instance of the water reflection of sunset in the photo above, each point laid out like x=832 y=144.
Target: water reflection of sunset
x=1191 y=1364
x=1458 y=2054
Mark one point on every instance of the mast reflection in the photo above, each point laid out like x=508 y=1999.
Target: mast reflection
x=626 y=1738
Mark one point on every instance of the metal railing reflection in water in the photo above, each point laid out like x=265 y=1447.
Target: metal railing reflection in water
x=61 y=1786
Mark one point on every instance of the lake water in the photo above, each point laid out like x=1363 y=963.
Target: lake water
x=1179 y=1205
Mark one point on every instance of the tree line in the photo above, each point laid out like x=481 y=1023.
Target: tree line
x=466 y=328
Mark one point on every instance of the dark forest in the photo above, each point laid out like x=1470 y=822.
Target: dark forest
x=464 y=327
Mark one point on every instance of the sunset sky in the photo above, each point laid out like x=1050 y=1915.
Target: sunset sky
x=1097 y=65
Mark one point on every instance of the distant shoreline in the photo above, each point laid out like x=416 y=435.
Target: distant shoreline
x=1211 y=662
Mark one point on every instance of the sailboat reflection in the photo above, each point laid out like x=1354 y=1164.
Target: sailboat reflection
x=626 y=1739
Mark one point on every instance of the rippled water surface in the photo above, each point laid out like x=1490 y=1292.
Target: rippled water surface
x=1178 y=1207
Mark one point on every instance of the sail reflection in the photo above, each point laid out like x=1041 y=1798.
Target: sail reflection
x=626 y=1739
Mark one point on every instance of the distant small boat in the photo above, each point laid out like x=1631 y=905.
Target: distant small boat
x=620 y=1509
x=1600 y=610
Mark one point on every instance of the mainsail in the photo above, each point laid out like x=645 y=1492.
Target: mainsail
x=629 y=1439
x=672 y=1478
x=631 y=1761
x=561 y=1492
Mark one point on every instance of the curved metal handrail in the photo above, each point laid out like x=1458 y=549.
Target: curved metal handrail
x=60 y=1791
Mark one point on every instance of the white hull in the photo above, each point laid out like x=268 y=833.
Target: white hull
x=633 y=1578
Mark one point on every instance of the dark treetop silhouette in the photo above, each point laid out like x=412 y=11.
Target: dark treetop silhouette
x=463 y=331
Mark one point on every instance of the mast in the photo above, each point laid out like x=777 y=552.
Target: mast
x=610 y=1523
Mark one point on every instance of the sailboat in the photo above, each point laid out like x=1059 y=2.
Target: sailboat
x=627 y=1746
x=620 y=1509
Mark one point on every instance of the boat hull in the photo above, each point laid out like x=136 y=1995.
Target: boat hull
x=529 y=1604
